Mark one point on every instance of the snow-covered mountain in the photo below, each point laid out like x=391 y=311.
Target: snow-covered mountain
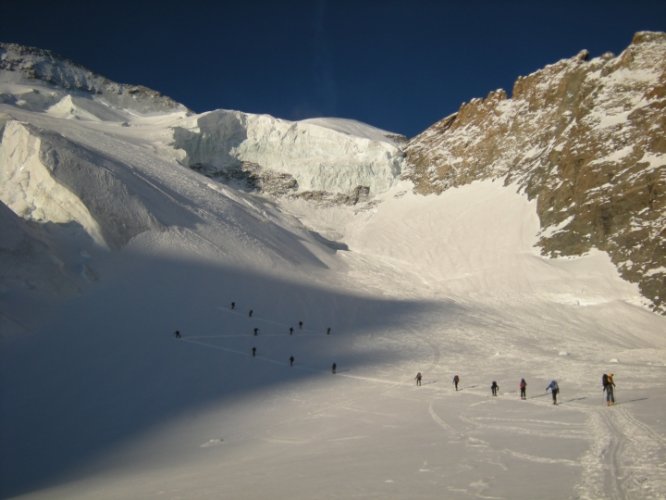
x=67 y=80
x=92 y=156
x=585 y=138
x=111 y=239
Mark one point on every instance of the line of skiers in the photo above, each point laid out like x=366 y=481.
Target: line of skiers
x=255 y=332
x=606 y=381
x=250 y=314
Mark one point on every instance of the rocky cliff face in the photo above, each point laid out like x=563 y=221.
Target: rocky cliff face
x=587 y=139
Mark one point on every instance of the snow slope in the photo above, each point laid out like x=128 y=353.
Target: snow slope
x=101 y=400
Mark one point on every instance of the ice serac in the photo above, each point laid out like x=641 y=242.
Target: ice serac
x=47 y=178
x=329 y=156
x=585 y=137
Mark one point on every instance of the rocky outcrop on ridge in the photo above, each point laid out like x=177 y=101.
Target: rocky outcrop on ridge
x=38 y=64
x=587 y=139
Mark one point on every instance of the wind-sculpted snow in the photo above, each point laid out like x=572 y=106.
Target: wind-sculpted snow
x=334 y=156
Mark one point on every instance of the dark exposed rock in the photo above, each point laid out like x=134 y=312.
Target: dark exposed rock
x=587 y=139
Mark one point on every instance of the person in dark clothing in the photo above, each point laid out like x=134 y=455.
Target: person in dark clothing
x=456 y=381
x=233 y=306
x=334 y=367
x=328 y=331
x=523 y=389
x=291 y=330
x=250 y=313
x=254 y=352
x=300 y=325
x=291 y=361
x=609 y=388
x=418 y=378
x=256 y=332
x=554 y=390
x=494 y=387
x=177 y=334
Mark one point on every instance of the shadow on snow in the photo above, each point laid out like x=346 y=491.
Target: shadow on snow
x=107 y=369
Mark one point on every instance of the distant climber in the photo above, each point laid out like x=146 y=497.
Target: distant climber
x=494 y=387
x=328 y=331
x=609 y=388
x=418 y=378
x=291 y=330
x=250 y=313
x=291 y=361
x=554 y=390
x=456 y=381
x=254 y=352
x=233 y=306
x=300 y=325
x=177 y=334
x=334 y=367
x=256 y=332
x=523 y=389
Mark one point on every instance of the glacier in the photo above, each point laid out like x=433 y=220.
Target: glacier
x=111 y=240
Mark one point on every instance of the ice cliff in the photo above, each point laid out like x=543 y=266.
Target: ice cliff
x=321 y=155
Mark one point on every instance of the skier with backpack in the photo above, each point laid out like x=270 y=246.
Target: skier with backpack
x=494 y=387
x=609 y=388
x=418 y=378
x=523 y=389
x=554 y=390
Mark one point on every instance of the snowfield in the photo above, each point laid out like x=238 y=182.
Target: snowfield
x=111 y=245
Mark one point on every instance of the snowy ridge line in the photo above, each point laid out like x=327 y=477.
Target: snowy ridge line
x=270 y=321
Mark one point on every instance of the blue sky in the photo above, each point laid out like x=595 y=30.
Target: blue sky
x=397 y=65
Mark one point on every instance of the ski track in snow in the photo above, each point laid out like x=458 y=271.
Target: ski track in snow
x=623 y=460
x=612 y=467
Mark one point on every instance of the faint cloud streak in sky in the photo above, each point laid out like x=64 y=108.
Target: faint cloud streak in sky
x=325 y=93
